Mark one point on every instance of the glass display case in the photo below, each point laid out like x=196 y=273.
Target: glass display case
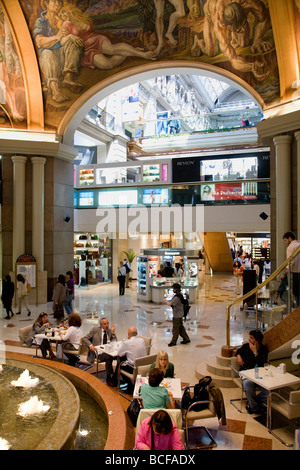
x=162 y=288
x=143 y=290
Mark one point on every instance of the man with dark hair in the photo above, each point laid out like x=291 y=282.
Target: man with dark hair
x=248 y=356
x=292 y=244
x=178 y=310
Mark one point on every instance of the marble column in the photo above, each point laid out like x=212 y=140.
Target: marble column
x=297 y=138
x=18 y=207
x=283 y=216
x=38 y=205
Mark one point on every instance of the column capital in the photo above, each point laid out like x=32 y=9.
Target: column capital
x=297 y=136
x=39 y=160
x=19 y=159
x=282 y=139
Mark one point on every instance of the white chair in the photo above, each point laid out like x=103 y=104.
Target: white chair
x=141 y=366
x=72 y=352
x=191 y=415
x=277 y=314
x=25 y=334
x=287 y=404
x=148 y=343
x=175 y=415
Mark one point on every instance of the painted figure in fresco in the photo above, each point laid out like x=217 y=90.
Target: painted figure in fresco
x=174 y=17
x=226 y=27
x=9 y=63
x=59 y=54
x=97 y=46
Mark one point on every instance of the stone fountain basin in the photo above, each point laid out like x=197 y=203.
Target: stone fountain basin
x=61 y=434
x=105 y=398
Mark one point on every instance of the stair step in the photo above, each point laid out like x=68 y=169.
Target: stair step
x=213 y=367
x=223 y=361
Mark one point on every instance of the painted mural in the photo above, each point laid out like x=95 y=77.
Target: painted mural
x=297 y=20
x=12 y=91
x=81 y=42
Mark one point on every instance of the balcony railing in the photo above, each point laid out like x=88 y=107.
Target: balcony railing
x=272 y=305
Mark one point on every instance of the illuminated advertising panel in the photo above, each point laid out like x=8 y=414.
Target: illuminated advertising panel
x=228 y=191
x=118 y=198
x=86 y=198
x=156 y=196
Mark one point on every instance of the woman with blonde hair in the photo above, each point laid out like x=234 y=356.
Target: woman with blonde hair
x=96 y=45
x=162 y=363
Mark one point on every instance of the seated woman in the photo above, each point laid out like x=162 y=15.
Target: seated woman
x=163 y=364
x=72 y=338
x=40 y=325
x=158 y=432
x=153 y=395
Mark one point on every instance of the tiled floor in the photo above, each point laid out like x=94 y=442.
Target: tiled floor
x=207 y=332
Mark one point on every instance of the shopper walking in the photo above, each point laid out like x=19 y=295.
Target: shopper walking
x=70 y=292
x=177 y=305
x=22 y=290
x=59 y=297
x=121 y=278
x=8 y=290
x=292 y=244
x=128 y=269
x=238 y=274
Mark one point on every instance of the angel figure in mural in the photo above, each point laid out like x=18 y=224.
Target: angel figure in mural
x=59 y=55
x=97 y=46
x=226 y=27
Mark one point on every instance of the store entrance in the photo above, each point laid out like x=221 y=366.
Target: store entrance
x=92 y=259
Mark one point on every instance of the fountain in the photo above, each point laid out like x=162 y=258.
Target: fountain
x=101 y=425
x=45 y=419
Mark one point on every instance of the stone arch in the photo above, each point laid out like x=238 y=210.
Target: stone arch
x=81 y=107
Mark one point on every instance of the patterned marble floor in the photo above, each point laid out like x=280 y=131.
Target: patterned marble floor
x=206 y=328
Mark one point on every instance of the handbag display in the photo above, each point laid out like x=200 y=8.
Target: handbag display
x=133 y=411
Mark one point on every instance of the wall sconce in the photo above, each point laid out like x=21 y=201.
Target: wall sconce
x=67 y=218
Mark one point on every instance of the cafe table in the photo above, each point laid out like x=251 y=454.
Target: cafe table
x=111 y=348
x=172 y=385
x=52 y=335
x=271 y=379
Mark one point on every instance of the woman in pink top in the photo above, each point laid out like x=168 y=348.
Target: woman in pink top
x=96 y=46
x=158 y=432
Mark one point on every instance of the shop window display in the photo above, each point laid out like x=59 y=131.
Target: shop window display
x=92 y=259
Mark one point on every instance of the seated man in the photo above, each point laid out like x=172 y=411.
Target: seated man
x=96 y=337
x=130 y=350
x=250 y=354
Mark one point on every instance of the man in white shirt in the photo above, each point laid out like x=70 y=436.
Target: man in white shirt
x=130 y=350
x=292 y=244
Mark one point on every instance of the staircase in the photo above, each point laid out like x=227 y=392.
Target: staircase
x=219 y=370
x=279 y=341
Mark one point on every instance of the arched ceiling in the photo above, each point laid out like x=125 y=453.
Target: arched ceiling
x=59 y=57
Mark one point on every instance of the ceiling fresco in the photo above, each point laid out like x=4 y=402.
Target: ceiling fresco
x=12 y=90
x=80 y=43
